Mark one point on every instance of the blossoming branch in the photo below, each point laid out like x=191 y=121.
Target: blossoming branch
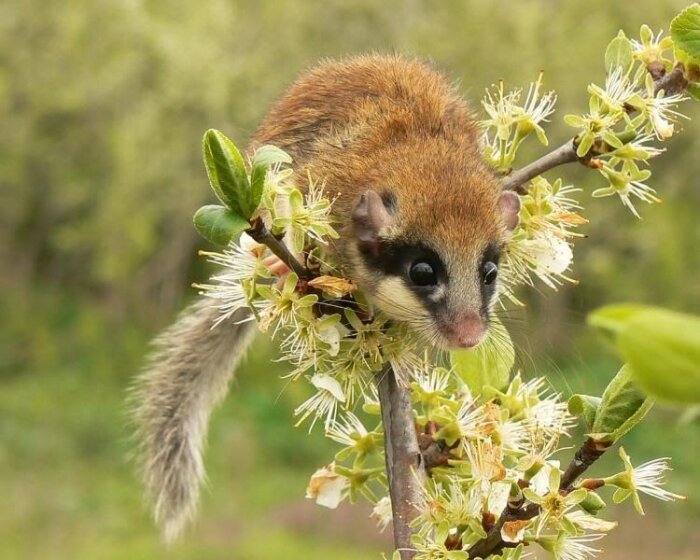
x=490 y=481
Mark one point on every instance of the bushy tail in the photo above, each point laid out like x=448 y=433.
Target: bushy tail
x=188 y=374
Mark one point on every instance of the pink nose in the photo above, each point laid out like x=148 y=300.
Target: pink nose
x=467 y=331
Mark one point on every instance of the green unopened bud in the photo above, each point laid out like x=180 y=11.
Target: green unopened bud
x=592 y=503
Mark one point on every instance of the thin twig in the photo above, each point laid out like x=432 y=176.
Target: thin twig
x=671 y=83
x=259 y=232
x=566 y=153
x=587 y=454
x=404 y=463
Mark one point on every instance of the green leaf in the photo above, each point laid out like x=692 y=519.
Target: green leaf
x=622 y=407
x=613 y=318
x=264 y=158
x=663 y=349
x=619 y=53
x=268 y=155
x=218 y=224
x=685 y=31
x=227 y=173
x=488 y=364
x=585 y=406
x=681 y=56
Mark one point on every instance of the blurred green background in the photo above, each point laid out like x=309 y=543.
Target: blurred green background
x=102 y=107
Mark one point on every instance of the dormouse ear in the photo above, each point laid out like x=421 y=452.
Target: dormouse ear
x=369 y=217
x=509 y=203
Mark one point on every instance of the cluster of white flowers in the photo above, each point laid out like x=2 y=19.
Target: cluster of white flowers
x=616 y=137
x=540 y=246
x=509 y=122
x=326 y=330
x=498 y=451
x=498 y=446
x=625 y=117
x=495 y=448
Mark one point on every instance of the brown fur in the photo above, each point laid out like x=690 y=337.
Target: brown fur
x=387 y=121
x=372 y=122
x=390 y=123
x=375 y=120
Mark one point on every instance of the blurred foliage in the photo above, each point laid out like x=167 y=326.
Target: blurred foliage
x=102 y=108
x=653 y=342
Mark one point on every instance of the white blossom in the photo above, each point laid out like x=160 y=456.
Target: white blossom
x=514 y=531
x=327 y=487
x=240 y=262
x=660 y=110
x=486 y=461
x=324 y=404
x=549 y=256
x=618 y=90
x=647 y=479
x=382 y=512
x=471 y=419
x=627 y=183
x=348 y=431
x=306 y=216
x=571 y=547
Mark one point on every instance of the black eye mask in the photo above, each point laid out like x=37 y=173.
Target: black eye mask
x=410 y=262
x=422 y=270
x=395 y=258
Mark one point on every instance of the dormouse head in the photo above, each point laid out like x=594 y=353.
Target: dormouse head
x=430 y=256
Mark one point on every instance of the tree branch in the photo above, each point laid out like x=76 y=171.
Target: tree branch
x=587 y=454
x=259 y=232
x=404 y=463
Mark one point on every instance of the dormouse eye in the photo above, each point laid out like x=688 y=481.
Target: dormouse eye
x=490 y=272
x=422 y=274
